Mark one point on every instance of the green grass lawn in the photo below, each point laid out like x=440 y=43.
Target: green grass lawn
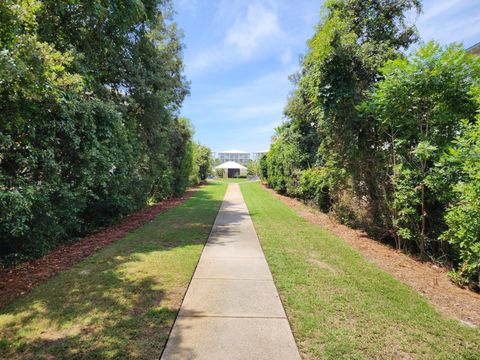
x=339 y=305
x=237 y=180
x=121 y=302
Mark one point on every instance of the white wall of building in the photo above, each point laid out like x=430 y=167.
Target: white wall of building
x=241 y=157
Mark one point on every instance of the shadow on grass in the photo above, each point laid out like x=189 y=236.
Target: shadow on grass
x=119 y=303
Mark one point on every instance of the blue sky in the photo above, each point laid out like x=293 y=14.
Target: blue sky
x=239 y=54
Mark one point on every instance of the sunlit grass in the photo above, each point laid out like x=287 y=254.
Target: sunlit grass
x=232 y=180
x=120 y=302
x=342 y=307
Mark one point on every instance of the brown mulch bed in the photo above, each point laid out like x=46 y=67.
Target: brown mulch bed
x=428 y=279
x=17 y=281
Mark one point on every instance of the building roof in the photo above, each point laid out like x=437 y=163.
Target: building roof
x=234 y=151
x=231 y=165
x=475 y=49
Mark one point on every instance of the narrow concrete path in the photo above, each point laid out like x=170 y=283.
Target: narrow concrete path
x=232 y=309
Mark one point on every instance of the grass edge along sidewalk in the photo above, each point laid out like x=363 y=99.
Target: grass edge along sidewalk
x=18 y=280
x=341 y=306
x=121 y=302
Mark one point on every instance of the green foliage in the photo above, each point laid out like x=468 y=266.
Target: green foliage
x=220 y=173
x=147 y=271
x=263 y=165
x=89 y=96
x=354 y=38
x=368 y=129
x=205 y=161
x=202 y=163
x=253 y=168
x=419 y=106
x=284 y=161
x=341 y=306
x=463 y=214
x=316 y=186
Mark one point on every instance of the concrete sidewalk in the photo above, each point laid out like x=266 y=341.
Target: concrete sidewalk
x=232 y=309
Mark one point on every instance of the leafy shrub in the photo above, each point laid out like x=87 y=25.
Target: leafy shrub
x=201 y=163
x=220 y=173
x=284 y=162
x=253 y=168
x=316 y=187
x=463 y=215
x=89 y=99
x=263 y=168
x=419 y=107
x=378 y=123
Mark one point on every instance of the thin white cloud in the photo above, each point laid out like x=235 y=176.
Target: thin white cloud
x=239 y=55
x=261 y=98
x=286 y=57
x=247 y=34
x=452 y=31
x=252 y=32
x=438 y=8
x=261 y=110
x=450 y=21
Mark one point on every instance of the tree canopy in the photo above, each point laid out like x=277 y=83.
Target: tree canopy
x=379 y=138
x=90 y=93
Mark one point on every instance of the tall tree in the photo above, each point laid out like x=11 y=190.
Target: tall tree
x=90 y=94
x=353 y=40
x=419 y=107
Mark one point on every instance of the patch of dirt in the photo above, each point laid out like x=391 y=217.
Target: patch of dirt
x=428 y=279
x=19 y=280
x=322 y=265
x=76 y=329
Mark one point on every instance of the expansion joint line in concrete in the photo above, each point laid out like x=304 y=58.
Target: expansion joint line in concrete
x=231 y=309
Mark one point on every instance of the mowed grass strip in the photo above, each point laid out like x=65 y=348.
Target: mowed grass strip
x=232 y=180
x=339 y=305
x=121 y=302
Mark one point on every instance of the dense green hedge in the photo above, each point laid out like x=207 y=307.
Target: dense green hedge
x=383 y=140
x=202 y=163
x=89 y=131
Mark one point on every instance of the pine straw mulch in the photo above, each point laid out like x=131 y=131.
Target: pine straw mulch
x=428 y=279
x=17 y=281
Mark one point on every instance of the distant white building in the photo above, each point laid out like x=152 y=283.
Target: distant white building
x=257 y=155
x=238 y=156
x=232 y=169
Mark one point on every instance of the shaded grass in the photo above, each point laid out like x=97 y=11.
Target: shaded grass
x=341 y=306
x=121 y=302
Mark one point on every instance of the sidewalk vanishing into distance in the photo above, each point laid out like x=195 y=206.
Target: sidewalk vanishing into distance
x=232 y=309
